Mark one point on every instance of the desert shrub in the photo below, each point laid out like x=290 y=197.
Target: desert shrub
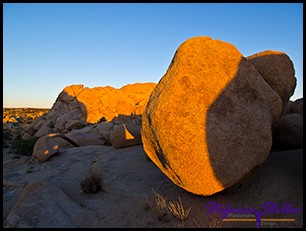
x=23 y=147
x=92 y=182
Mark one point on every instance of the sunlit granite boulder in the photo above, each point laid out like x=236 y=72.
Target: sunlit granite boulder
x=208 y=123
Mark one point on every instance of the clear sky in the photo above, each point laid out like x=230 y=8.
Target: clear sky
x=48 y=46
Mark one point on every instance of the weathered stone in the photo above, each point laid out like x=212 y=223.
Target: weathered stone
x=86 y=139
x=277 y=70
x=47 y=146
x=72 y=124
x=297 y=106
x=78 y=106
x=105 y=129
x=26 y=136
x=63 y=119
x=125 y=135
x=37 y=124
x=208 y=122
x=287 y=108
x=43 y=205
x=289 y=132
x=43 y=130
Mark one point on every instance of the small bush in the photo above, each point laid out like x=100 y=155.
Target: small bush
x=92 y=183
x=30 y=169
x=24 y=147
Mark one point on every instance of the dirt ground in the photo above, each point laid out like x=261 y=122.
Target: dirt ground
x=38 y=194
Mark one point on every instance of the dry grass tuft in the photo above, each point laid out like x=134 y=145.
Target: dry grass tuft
x=215 y=222
x=175 y=208
x=178 y=210
x=161 y=205
x=161 y=202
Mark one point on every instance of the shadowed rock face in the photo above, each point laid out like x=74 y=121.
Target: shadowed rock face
x=209 y=121
x=277 y=70
x=289 y=132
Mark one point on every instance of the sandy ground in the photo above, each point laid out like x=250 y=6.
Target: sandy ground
x=127 y=200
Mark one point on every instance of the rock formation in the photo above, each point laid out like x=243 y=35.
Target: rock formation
x=277 y=70
x=122 y=131
x=76 y=107
x=208 y=123
x=289 y=131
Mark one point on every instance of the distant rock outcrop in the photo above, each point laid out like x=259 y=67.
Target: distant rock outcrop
x=208 y=123
x=76 y=107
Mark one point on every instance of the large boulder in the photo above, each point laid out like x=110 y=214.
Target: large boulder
x=86 y=138
x=208 y=121
x=105 y=129
x=125 y=135
x=49 y=145
x=277 y=70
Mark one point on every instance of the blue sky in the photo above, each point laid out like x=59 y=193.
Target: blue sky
x=49 y=46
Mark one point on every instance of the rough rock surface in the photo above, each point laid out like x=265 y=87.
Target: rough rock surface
x=125 y=135
x=277 y=70
x=77 y=106
x=127 y=199
x=289 y=132
x=49 y=207
x=121 y=132
x=47 y=146
x=297 y=106
x=208 y=121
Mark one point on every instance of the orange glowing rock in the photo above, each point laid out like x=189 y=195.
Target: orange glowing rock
x=108 y=102
x=208 y=122
x=76 y=106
